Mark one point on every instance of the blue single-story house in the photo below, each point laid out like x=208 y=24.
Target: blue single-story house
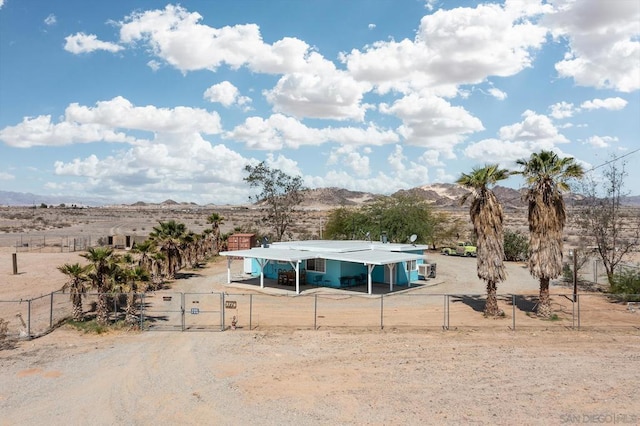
x=331 y=263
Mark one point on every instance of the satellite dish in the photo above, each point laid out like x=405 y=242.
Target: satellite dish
x=413 y=238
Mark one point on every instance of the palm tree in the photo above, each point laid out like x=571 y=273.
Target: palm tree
x=169 y=237
x=78 y=277
x=101 y=277
x=145 y=250
x=546 y=176
x=216 y=220
x=487 y=218
x=128 y=281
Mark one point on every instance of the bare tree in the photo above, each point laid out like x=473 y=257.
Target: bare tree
x=614 y=227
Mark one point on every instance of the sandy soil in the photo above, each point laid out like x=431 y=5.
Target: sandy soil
x=473 y=374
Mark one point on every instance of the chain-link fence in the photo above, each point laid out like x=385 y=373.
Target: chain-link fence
x=220 y=311
x=49 y=244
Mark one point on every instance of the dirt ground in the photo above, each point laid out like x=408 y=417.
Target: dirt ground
x=475 y=374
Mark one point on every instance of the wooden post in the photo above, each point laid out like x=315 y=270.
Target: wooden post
x=15 y=263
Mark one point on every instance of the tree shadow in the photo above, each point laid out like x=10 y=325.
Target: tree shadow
x=474 y=302
x=186 y=275
x=524 y=303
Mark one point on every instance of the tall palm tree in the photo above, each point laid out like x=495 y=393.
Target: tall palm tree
x=78 y=278
x=101 y=277
x=169 y=238
x=487 y=218
x=546 y=176
x=216 y=220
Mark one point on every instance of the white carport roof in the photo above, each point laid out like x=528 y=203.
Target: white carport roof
x=269 y=253
x=370 y=257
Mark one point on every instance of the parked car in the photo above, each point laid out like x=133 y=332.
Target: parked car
x=463 y=248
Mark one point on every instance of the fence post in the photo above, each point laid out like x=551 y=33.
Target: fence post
x=222 y=303
x=142 y=311
x=51 y=311
x=29 y=320
x=445 y=325
x=382 y=312
x=250 y=310
x=513 y=310
x=573 y=312
x=315 y=311
x=578 y=312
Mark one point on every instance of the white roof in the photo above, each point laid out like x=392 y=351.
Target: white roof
x=366 y=252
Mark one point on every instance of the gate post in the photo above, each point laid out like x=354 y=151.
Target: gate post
x=182 y=308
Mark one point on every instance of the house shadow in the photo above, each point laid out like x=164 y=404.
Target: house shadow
x=377 y=288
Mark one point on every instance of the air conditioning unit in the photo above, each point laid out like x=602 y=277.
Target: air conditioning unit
x=427 y=270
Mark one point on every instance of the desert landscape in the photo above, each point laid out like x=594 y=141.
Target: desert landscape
x=342 y=371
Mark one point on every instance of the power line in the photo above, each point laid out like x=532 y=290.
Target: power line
x=612 y=160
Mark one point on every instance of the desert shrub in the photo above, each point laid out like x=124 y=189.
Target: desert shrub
x=516 y=246
x=4 y=329
x=567 y=273
x=626 y=284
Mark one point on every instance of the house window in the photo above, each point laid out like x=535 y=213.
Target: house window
x=411 y=265
x=317 y=265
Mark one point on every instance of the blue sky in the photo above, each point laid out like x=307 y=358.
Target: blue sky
x=142 y=100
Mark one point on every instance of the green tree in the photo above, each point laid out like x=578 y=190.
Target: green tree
x=546 y=176
x=279 y=196
x=101 y=277
x=397 y=217
x=516 y=246
x=343 y=223
x=487 y=218
x=77 y=286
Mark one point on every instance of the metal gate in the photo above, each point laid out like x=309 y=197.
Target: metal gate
x=203 y=311
x=182 y=311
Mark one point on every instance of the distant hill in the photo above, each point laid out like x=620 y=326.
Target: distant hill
x=444 y=195
x=8 y=198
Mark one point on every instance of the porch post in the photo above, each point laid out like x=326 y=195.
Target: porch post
x=392 y=268
x=228 y=269
x=296 y=267
x=369 y=281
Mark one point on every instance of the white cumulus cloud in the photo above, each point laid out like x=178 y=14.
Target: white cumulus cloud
x=86 y=43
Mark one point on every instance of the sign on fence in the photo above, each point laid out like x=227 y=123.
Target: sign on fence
x=230 y=304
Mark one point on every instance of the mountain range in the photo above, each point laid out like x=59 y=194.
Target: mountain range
x=443 y=195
